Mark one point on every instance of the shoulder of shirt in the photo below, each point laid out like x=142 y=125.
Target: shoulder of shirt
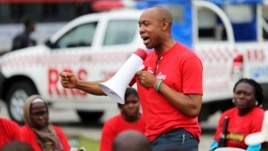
x=184 y=49
x=181 y=45
x=56 y=127
x=258 y=110
x=112 y=119
x=229 y=111
x=5 y=120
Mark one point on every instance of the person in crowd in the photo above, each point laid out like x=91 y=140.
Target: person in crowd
x=9 y=131
x=23 y=40
x=244 y=118
x=16 y=146
x=129 y=118
x=170 y=87
x=38 y=131
x=131 y=140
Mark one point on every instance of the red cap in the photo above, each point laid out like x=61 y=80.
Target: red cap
x=141 y=53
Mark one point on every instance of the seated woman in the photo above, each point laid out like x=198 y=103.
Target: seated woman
x=243 y=119
x=129 y=118
x=37 y=131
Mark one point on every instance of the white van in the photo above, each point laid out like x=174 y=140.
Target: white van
x=95 y=46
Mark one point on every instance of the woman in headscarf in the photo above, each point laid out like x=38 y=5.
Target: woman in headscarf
x=38 y=131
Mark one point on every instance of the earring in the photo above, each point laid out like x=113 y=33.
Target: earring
x=256 y=102
x=233 y=100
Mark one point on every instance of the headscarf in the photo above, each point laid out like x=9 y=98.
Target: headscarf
x=46 y=137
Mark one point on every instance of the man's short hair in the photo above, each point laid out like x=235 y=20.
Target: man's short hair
x=16 y=146
x=131 y=140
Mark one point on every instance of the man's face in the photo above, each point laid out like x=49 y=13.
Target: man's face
x=150 y=28
x=39 y=115
x=131 y=107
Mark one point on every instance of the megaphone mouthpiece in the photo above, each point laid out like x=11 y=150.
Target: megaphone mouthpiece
x=141 y=53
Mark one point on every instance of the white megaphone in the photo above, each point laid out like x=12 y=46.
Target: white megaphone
x=259 y=137
x=115 y=87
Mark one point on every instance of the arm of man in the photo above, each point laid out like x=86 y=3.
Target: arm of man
x=188 y=101
x=91 y=87
x=189 y=104
x=69 y=80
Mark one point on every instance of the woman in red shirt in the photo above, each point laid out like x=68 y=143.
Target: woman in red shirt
x=243 y=119
x=37 y=131
x=130 y=118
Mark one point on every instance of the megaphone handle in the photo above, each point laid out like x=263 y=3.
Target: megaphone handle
x=133 y=81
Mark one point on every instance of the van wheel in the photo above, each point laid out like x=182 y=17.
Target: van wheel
x=89 y=117
x=17 y=94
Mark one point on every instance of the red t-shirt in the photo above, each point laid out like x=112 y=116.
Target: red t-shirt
x=240 y=126
x=114 y=126
x=181 y=70
x=9 y=130
x=30 y=138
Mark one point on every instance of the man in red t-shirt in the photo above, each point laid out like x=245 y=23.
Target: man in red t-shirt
x=129 y=118
x=170 y=89
x=9 y=131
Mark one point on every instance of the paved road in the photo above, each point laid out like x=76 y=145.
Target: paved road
x=71 y=125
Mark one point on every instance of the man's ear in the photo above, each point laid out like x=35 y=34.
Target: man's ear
x=165 y=25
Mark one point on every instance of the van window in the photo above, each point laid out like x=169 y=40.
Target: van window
x=120 y=32
x=210 y=26
x=244 y=22
x=265 y=21
x=79 y=36
x=245 y=15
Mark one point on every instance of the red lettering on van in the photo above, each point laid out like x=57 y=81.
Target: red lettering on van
x=53 y=78
x=256 y=55
x=54 y=85
x=82 y=75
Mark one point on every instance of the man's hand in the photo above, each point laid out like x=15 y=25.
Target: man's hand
x=146 y=78
x=68 y=80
